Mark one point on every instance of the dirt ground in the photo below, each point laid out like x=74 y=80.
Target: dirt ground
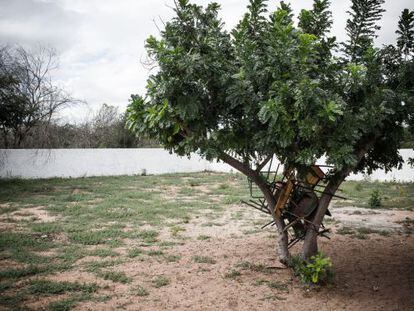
x=373 y=273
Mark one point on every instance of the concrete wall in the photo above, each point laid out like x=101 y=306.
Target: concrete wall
x=28 y=163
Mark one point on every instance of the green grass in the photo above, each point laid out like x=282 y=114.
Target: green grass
x=393 y=195
x=90 y=218
x=94 y=216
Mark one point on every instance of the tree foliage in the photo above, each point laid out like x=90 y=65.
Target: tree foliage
x=270 y=87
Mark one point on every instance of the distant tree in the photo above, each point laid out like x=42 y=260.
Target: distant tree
x=405 y=33
x=28 y=95
x=270 y=88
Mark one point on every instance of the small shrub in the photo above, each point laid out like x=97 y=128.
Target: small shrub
x=375 y=201
x=316 y=271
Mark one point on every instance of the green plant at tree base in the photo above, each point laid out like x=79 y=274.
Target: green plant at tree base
x=316 y=271
x=375 y=201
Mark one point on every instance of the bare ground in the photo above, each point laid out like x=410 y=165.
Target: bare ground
x=375 y=273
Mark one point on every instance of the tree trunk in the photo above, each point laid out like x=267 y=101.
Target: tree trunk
x=282 y=240
x=310 y=245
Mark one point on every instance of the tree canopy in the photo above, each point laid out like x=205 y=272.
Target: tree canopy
x=274 y=86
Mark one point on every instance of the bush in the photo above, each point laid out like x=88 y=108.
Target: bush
x=375 y=199
x=316 y=271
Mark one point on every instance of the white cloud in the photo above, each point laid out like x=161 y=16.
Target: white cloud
x=101 y=42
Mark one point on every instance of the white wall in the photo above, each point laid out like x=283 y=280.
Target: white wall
x=29 y=163
x=45 y=163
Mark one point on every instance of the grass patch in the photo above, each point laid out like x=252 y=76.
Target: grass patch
x=46 y=287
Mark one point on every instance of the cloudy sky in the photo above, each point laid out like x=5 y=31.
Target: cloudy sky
x=101 y=42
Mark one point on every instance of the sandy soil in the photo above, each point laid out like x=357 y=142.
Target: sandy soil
x=372 y=274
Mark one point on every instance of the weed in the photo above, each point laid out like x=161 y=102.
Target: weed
x=148 y=236
x=316 y=271
x=69 y=303
x=46 y=227
x=93 y=237
x=278 y=285
x=345 y=230
x=232 y=274
x=176 y=230
x=140 y=291
x=46 y=287
x=134 y=252
x=155 y=252
x=96 y=266
x=103 y=252
x=204 y=259
x=115 y=276
x=223 y=186
x=364 y=231
x=160 y=281
x=22 y=272
x=172 y=258
x=273 y=297
x=361 y=236
x=203 y=237
x=257 y=267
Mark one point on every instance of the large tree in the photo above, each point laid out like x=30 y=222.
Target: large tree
x=273 y=88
